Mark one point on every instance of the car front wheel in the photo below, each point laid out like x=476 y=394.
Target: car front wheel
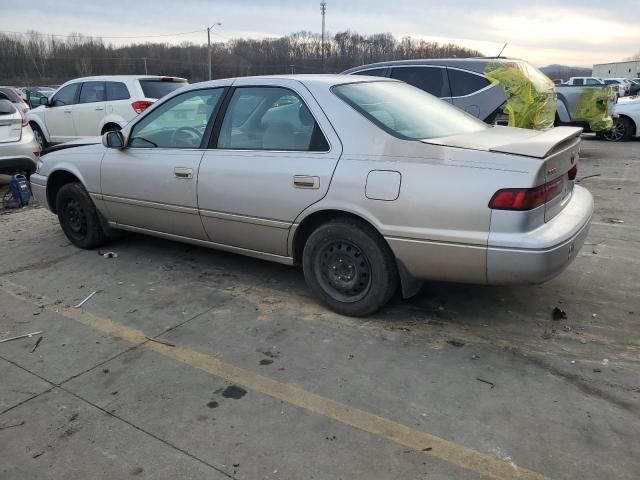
x=78 y=216
x=622 y=131
x=349 y=267
x=39 y=136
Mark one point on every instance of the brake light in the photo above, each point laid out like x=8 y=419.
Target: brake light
x=573 y=173
x=25 y=122
x=167 y=79
x=141 y=105
x=521 y=199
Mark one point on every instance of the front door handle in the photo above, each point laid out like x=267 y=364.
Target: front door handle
x=183 y=172
x=67 y=110
x=99 y=108
x=306 y=181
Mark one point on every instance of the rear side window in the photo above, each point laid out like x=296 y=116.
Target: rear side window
x=92 y=92
x=66 y=96
x=374 y=72
x=590 y=81
x=465 y=83
x=117 y=91
x=160 y=88
x=429 y=79
x=578 y=81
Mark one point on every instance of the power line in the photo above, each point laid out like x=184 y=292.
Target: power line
x=33 y=32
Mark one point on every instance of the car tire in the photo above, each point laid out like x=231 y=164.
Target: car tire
x=39 y=136
x=349 y=267
x=78 y=217
x=622 y=131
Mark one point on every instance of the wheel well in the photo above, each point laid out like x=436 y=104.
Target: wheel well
x=109 y=126
x=54 y=183
x=633 y=124
x=33 y=123
x=313 y=221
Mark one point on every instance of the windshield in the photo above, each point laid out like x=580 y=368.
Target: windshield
x=160 y=88
x=406 y=111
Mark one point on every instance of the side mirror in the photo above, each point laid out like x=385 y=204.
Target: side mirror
x=44 y=101
x=113 y=140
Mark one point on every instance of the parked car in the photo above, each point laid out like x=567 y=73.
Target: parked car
x=366 y=182
x=588 y=106
x=34 y=95
x=19 y=150
x=627 y=122
x=621 y=84
x=90 y=106
x=13 y=95
x=635 y=87
x=580 y=81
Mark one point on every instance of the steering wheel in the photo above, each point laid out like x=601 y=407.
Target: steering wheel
x=186 y=136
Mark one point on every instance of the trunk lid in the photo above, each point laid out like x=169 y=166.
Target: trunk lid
x=557 y=148
x=10 y=124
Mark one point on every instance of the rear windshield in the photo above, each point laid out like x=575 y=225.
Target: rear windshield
x=10 y=94
x=160 y=88
x=406 y=111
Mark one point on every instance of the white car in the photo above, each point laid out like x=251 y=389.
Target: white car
x=622 y=83
x=628 y=112
x=91 y=106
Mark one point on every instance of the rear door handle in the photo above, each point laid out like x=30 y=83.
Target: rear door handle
x=183 y=172
x=99 y=108
x=67 y=111
x=306 y=181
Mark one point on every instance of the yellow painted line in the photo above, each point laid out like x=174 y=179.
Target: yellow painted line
x=466 y=458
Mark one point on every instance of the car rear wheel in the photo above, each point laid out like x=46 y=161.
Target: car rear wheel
x=78 y=216
x=39 y=136
x=349 y=267
x=622 y=131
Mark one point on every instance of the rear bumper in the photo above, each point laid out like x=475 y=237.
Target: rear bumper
x=543 y=253
x=19 y=156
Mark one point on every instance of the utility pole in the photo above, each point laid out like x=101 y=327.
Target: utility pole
x=144 y=59
x=209 y=44
x=323 y=11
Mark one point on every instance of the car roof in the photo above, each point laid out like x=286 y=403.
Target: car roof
x=307 y=79
x=98 y=78
x=476 y=64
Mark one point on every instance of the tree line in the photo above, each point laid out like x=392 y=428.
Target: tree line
x=37 y=59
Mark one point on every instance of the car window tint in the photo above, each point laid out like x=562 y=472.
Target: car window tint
x=464 y=83
x=270 y=118
x=92 y=92
x=178 y=123
x=374 y=72
x=117 y=91
x=407 y=112
x=66 y=96
x=578 y=81
x=160 y=88
x=428 y=79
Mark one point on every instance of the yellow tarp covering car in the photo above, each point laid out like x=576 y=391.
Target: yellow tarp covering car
x=593 y=108
x=531 y=95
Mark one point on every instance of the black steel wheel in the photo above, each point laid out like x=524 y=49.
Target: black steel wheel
x=78 y=216
x=349 y=267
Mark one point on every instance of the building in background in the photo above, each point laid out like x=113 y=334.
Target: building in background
x=630 y=69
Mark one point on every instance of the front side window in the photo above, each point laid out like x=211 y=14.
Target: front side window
x=270 y=118
x=66 y=96
x=465 y=83
x=92 y=92
x=117 y=91
x=178 y=123
x=591 y=81
x=405 y=111
x=428 y=79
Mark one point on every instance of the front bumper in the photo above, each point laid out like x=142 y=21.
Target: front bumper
x=39 y=189
x=543 y=253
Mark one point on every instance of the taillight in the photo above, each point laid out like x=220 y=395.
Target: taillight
x=521 y=199
x=25 y=122
x=141 y=105
x=573 y=173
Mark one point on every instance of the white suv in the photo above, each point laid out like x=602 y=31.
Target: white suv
x=91 y=106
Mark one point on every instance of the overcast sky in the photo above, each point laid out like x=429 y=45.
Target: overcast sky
x=572 y=32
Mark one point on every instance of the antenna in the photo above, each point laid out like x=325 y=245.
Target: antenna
x=323 y=11
x=505 y=46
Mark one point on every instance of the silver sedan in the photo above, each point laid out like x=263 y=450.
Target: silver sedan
x=368 y=183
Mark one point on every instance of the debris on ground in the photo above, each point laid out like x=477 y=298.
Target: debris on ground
x=108 y=254
x=558 y=314
x=493 y=385
x=613 y=220
x=24 y=335
x=163 y=342
x=588 y=176
x=86 y=299
x=427 y=449
x=456 y=343
x=474 y=356
x=36 y=345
